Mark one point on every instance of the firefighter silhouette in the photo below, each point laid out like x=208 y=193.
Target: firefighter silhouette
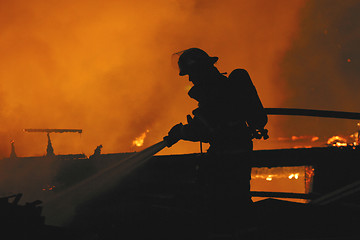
x=229 y=115
x=97 y=152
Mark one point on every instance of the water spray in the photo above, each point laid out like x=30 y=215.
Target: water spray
x=60 y=209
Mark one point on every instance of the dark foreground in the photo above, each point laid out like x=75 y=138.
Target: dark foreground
x=160 y=200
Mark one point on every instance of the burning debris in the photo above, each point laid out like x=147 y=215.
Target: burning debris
x=337 y=141
x=351 y=141
x=309 y=141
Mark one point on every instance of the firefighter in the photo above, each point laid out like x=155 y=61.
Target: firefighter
x=229 y=115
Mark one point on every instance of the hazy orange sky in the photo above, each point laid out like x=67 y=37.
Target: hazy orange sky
x=105 y=66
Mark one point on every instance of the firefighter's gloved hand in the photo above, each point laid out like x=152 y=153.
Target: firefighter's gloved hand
x=174 y=135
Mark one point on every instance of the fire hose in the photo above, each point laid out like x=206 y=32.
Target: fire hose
x=60 y=209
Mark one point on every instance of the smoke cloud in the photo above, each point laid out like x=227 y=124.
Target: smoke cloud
x=321 y=68
x=105 y=66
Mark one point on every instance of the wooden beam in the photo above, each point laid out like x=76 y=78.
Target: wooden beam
x=281 y=195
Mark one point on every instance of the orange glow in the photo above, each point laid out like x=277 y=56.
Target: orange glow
x=276 y=173
x=299 y=138
x=102 y=68
x=281 y=179
x=314 y=139
x=294 y=138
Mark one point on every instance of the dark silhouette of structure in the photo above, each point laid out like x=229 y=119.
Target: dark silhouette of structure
x=229 y=115
x=159 y=200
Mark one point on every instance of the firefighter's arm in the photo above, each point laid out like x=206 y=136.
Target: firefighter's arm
x=195 y=130
x=174 y=135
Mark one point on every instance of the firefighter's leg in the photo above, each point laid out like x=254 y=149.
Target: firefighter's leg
x=233 y=193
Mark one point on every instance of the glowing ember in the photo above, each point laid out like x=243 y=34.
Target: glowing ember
x=139 y=141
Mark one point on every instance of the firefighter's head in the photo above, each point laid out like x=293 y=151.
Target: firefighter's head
x=194 y=61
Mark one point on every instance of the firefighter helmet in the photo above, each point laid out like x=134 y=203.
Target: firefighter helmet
x=193 y=58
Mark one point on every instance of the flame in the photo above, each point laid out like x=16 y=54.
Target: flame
x=294 y=175
x=139 y=141
x=269 y=178
x=337 y=141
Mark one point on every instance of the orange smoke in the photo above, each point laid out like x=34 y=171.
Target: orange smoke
x=105 y=66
